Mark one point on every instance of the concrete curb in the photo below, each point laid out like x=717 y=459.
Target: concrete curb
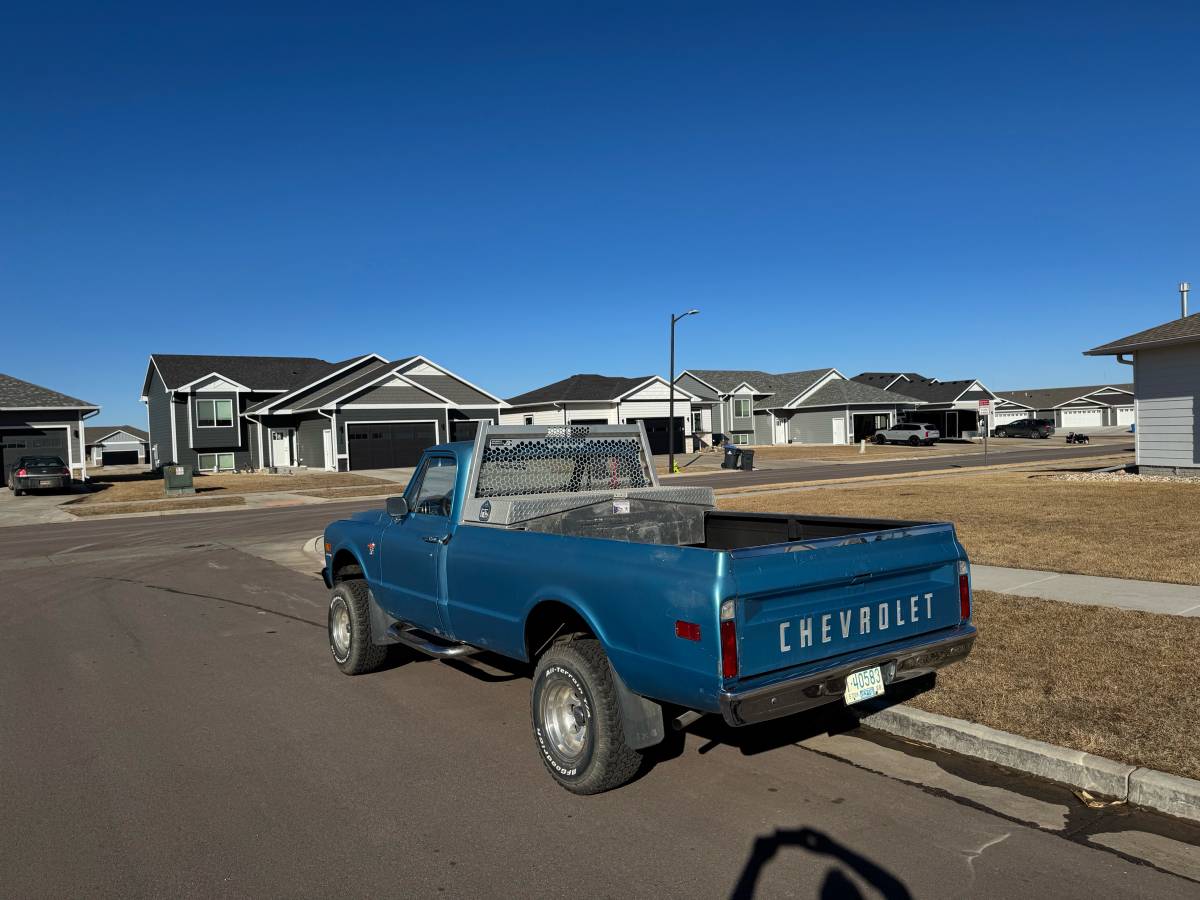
x=1170 y=794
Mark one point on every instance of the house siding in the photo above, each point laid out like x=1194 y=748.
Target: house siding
x=209 y=438
x=1168 y=384
x=452 y=389
x=158 y=413
x=763 y=428
x=395 y=395
x=741 y=423
x=695 y=386
x=310 y=441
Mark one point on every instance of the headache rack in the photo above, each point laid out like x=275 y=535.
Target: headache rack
x=583 y=480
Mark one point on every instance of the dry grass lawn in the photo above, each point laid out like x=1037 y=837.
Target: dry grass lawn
x=133 y=487
x=173 y=503
x=389 y=489
x=1113 y=682
x=1025 y=520
x=849 y=452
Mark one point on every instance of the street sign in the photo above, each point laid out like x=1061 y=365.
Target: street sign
x=985 y=407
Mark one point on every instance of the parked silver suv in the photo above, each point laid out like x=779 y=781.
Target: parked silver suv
x=908 y=433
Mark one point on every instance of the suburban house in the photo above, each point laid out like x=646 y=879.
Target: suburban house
x=953 y=406
x=1069 y=408
x=1166 y=378
x=35 y=420
x=220 y=413
x=116 y=445
x=608 y=400
x=815 y=406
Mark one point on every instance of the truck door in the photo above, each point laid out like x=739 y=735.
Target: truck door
x=412 y=563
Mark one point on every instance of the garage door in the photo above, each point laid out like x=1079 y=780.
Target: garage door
x=1124 y=415
x=15 y=444
x=388 y=445
x=1082 y=418
x=1003 y=416
x=119 y=458
x=658 y=437
x=464 y=430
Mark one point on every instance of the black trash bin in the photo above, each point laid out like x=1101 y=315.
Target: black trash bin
x=746 y=458
x=731 y=457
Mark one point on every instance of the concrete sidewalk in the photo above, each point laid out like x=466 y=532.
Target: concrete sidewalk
x=1090 y=590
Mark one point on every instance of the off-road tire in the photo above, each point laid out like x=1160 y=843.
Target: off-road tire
x=606 y=761
x=362 y=655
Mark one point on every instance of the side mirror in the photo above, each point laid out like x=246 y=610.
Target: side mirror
x=397 y=507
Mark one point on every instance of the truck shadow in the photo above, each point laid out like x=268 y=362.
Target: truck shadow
x=836 y=885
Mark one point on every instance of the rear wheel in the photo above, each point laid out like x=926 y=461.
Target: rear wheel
x=350 y=629
x=914 y=441
x=577 y=719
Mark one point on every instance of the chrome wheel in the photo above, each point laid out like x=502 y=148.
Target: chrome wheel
x=565 y=719
x=339 y=628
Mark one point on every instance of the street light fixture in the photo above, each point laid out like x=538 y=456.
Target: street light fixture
x=671 y=393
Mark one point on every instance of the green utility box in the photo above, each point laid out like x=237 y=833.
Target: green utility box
x=177 y=481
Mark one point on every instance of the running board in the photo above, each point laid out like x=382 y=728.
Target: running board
x=428 y=644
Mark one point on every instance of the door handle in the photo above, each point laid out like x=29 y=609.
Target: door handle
x=436 y=538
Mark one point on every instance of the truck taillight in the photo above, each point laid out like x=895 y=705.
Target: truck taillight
x=964 y=591
x=729 y=660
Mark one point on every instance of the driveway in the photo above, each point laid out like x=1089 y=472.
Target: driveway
x=33 y=509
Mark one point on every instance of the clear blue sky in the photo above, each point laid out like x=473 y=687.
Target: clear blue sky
x=522 y=191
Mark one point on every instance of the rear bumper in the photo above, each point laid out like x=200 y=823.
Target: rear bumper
x=827 y=685
x=42 y=482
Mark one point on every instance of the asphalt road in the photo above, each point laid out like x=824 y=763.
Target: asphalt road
x=826 y=471
x=171 y=725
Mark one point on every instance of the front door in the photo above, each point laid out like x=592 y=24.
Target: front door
x=330 y=456
x=281 y=447
x=839 y=431
x=412 y=558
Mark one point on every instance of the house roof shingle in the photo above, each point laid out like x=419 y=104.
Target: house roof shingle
x=94 y=433
x=259 y=373
x=1048 y=398
x=18 y=394
x=1177 y=331
x=580 y=388
x=919 y=387
x=841 y=392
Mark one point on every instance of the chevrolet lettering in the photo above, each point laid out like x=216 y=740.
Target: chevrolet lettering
x=640 y=606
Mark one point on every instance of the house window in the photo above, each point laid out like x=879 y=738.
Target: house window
x=741 y=438
x=214 y=462
x=214 y=413
x=741 y=408
x=697 y=422
x=529 y=420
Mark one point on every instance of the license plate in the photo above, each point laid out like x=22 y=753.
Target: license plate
x=864 y=684
x=47 y=482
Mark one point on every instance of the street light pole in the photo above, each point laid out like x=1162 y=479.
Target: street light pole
x=671 y=394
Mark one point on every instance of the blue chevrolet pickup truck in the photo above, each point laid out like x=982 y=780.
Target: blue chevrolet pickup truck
x=642 y=606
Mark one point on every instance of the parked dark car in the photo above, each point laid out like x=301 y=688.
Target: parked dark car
x=32 y=473
x=1025 y=428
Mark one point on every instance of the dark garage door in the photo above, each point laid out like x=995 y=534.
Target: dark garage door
x=464 y=429
x=118 y=458
x=16 y=444
x=656 y=434
x=388 y=445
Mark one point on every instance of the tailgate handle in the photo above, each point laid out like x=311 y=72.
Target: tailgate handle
x=861 y=577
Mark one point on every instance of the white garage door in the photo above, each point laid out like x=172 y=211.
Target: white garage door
x=1010 y=415
x=1082 y=418
x=1124 y=415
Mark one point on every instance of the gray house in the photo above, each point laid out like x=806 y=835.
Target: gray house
x=608 y=400
x=116 y=445
x=1166 y=377
x=35 y=420
x=953 y=406
x=219 y=413
x=1072 y=408
x=819 y=406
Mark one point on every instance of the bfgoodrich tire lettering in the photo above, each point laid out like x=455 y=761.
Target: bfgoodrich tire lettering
x=350 y=629
x=576 y=719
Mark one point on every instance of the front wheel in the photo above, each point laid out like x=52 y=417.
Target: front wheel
x=880 y=439
x=350 y=629
x=577 y=719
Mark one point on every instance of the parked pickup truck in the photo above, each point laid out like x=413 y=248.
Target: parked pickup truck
x=641 y=606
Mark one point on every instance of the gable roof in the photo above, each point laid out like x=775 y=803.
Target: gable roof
x=258 y=373
x=1048 y=398
x=371 y=360
x=726 y=380
x=16 y=394
x=927 y=390
x=581 y=388
x=1177 y=331
x=95 y=434
x=846 y=392
x=773 y=389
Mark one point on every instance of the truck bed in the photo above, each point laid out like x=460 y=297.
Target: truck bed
x=739 y=530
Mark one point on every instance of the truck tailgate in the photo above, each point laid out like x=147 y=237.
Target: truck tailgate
x=798 y=603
